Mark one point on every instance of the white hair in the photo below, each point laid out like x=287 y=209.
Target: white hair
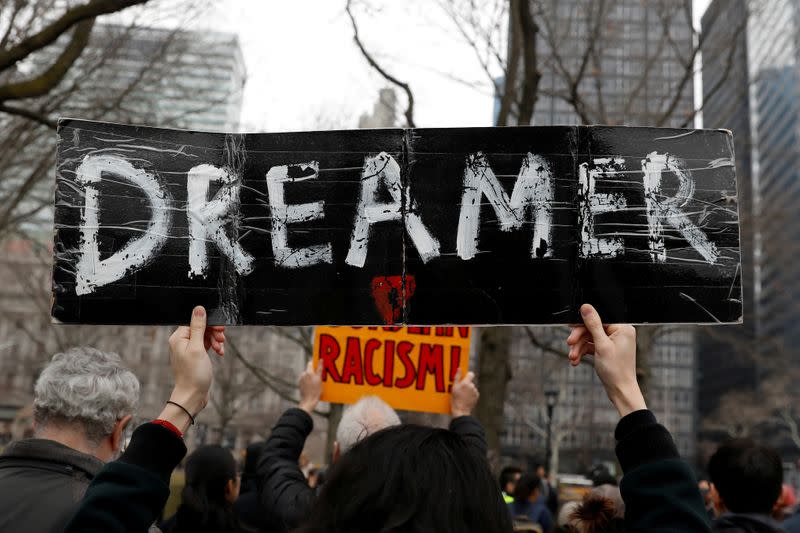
x=363 y=418
x=88 y=387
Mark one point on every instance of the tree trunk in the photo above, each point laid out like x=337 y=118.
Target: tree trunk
x=334 y=417
x=493 y=375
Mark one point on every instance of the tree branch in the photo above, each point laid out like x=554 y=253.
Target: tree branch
x=409 y=112
x=54 y=30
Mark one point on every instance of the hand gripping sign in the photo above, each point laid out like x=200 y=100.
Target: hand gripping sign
x=410 y=368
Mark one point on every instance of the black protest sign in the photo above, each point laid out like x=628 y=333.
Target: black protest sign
x=417 y=226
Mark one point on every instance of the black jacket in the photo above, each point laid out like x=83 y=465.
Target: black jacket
x=283 y=490
x=746 y=523
x=41 y=483
x=127 y=495
x=659 y=489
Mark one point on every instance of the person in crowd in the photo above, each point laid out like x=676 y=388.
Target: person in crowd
x=409 y=478
x=508 y=480
x=786 y=504
x=83 y=401
x=705 y=491
x=659 y=489
x=284 y=490
x=128 y=494
x=746 y=480
x=247 y=506
x=528 y=506
x=564 y=518
x=601 y=475
x=547 y=492
x=212 y=486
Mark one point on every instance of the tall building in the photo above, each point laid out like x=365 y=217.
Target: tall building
x=632 y=78
x=727 y=363
x=760 y=103
x=136 y=75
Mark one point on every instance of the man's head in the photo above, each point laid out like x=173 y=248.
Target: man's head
x=508 y=479
x=745 y=477
x=527 y=488
x=84 y=399
x=363 y=418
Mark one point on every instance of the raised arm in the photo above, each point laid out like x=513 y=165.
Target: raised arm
x=659 y=489
x=283 y=489
x=127 y=495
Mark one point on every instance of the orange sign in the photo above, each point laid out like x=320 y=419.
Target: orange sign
x=410 y=368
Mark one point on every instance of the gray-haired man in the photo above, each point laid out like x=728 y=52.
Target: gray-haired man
x=83 y=400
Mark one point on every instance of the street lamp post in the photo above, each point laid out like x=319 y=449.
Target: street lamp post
x=551 y=399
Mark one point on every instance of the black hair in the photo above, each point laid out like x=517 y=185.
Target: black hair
x=601 y=475
x=203 y=503
x=747 y=476
x=507 y=475
x=410 y=479
x=526 y=486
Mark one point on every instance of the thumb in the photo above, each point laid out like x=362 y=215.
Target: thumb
x=197 y=327
x=458 y=376
x=593 y=323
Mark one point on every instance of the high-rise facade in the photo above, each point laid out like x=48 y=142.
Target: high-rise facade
x=137 y=75
x=634 y=76
x=759 y=100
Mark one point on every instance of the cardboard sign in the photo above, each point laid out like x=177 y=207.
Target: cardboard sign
x=376 y=227
x=410 y=368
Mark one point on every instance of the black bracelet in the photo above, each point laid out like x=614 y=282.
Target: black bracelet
x=184 y=410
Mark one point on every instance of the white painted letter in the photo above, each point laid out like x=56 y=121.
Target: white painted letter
x=382 y=168
x=533 y=188
x=207 y=219
x=91 y=271
x=283 y=214
x=661 y=208
x=591 y=203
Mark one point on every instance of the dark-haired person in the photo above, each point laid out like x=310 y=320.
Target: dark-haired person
x=212 y=485
x=247 y=505
x=746 y=481
x=128 y=494
x=527 y=504
x=597 y=513
x=659 y=489
x=409 y=478
x=284 y=490
x=508 y=480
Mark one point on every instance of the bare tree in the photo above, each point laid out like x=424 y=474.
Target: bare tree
x=528 y=50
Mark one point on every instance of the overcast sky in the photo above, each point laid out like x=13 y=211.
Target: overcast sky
x=304 y=71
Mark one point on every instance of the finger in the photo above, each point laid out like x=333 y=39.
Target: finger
x=576 y=333
x=219 y=336
x=318 y=371
x=578 y=347
x=594 y=324
x=181 y=332
x=217 y=347
x=310 y=367
x=217 y=328
x=458 y=376
x=470 y=377
x=197 y=327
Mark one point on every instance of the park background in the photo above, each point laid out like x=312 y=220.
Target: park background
x=269 y=66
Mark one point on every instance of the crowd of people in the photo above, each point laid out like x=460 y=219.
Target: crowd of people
x=385 y=476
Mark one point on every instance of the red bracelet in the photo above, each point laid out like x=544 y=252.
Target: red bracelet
x=169 y=425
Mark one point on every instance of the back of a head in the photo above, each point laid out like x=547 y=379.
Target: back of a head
x=526 y=486
x=507 y=475
x=747 y=476
x=410 y=479
x=203 y=503
x=365 y=417
x=597 y=514
x=86 y=388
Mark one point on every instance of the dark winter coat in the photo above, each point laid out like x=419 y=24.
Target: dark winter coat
x=746 y=523
x=659 y=489
x=128 y=494
x=283 y=489
x=41 y=483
